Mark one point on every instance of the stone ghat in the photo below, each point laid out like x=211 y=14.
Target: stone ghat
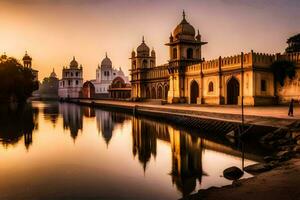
x=218 y=123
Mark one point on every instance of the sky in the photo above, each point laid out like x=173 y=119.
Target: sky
x=53 y=31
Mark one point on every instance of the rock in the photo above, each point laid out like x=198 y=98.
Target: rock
x=270 y=158
x=295 y=134
x=283 y=153
x=257 y=168
x=233 y=173
x=296 y=149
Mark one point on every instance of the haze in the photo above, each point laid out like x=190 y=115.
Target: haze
x=54 y=31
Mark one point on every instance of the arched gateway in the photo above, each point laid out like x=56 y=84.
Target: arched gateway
x=233 y=91
x=194 y=92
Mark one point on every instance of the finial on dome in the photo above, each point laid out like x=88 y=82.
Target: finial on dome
x=106 y=54
x=73 y=57
x=183 y=14
x=143 y=40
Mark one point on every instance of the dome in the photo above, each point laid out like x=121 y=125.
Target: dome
x=106 y=61
x=73 y=63
x=143 y=48
x=27 y=57
x=184 y=28
x=53 y=74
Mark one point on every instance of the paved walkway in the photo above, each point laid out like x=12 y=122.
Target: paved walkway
x=263 y=115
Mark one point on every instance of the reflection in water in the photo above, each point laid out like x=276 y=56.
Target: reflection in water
x=107 y=121
x=17 y=122
x=51 y=112
x=72 y=118
x=186 y=151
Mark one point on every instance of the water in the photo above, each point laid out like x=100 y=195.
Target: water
x=64 y=151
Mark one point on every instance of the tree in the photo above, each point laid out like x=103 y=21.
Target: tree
x=283 y=69
x=16 y=82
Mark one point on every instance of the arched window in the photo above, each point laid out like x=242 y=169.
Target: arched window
x=174 y=53
x=189 y=53
x=133 y=64
x=144 y=64
x=210 y=87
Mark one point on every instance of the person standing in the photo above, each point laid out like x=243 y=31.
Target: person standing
x=291 y=108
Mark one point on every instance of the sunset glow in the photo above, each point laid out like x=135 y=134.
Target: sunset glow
x=53 y=31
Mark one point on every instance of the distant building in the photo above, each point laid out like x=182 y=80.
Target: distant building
x=71 y=83
x=118 y=89
x=49 y=87
x=105 y=74
x=27 y=62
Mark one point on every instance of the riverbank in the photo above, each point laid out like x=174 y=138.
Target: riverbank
x=281 y=183
x=273 y=116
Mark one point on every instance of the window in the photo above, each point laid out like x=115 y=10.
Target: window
x=210 y=87
x=189 y=53
x=174 y=53
x=114 y=74
x=263 y=85
x=107 y=73
x=145 y=63
x=69 y=82
x=76 y=82
x=71 y=74
x=77 y=73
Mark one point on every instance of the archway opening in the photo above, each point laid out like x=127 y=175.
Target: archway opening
x=194 y=92
x=147 y=93
x=233 y=91
x=166 y=91
x=153 y=93
x=160 y=92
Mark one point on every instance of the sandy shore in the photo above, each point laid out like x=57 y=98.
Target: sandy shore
x=280 y=183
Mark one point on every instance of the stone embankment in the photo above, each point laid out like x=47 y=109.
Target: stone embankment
x=284 y=163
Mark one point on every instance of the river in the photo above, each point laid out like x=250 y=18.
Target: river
x=51 y=150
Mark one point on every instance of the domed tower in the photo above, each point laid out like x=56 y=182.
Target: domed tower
x=184 y=49
x=105 y=72
x=27 y=60
x=141 y=61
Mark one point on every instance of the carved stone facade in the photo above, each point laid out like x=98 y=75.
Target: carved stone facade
x=188 y=78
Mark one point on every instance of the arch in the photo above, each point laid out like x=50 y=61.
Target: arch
x=159 y=92
x=147 y=93
x=233 y=91
x=189 y=53
x=166 y=91
x=174 y=53
x=210 y=86
x=145 y=64
x=88 y=90
x=153 y=93
x=194 y=92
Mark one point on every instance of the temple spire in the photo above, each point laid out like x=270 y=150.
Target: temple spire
x=183 y=14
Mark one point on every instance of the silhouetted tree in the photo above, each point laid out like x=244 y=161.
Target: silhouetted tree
x=16 y=82
x=282 y=69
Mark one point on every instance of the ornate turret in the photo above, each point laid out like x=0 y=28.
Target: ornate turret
x=153 y=53
x=27 y=60
x=184 y=30
x=3 y=56
x=53 y=74
x=143 y=49
x=106 y=62
x=73 y=63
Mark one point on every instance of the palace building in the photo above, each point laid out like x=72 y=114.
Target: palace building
x=70 y=86
x=188 y=78
x=105 y=75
